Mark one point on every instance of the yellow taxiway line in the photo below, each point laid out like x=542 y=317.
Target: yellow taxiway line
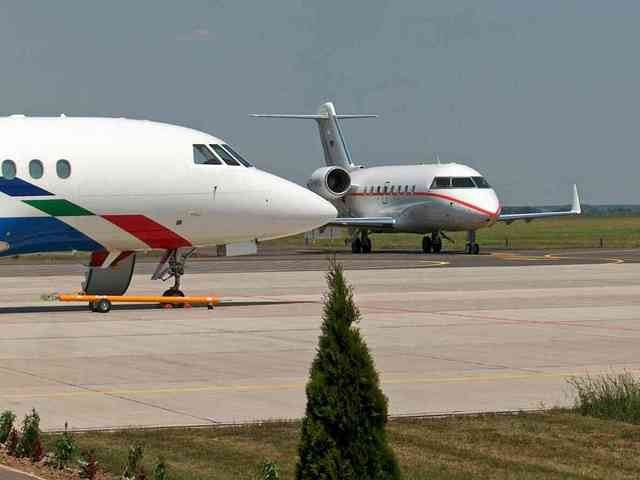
x=82 y=391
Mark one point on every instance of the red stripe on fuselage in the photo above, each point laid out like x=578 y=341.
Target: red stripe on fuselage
x=149 y=231
x=432 y=194
x=463 y=203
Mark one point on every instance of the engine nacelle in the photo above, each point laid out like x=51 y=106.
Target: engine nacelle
x=331 y=183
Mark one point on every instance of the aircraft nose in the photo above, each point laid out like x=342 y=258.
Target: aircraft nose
x=308 y=208
x=294 y=209
x=493 y=205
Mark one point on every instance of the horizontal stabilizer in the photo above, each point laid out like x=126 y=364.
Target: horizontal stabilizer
x=333 y=143
x=308 y=117
x=576 y=209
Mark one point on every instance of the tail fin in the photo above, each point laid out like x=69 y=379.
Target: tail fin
x=333 y=143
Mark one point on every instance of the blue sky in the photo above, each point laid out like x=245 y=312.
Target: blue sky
x=536 y=95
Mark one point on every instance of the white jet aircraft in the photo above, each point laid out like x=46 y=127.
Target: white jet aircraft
x=114 y=187
x=428 y=199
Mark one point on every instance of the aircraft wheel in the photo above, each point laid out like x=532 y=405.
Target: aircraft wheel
x=476 y=249
x=172 y=292
x=367 y=245
x=356 y=246
x=437 y=246
x=102 y=306
x=427 y=244
x=468 y=249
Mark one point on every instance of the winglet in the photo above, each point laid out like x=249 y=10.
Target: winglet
x=575 y=203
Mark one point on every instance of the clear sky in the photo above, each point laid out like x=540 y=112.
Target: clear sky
x=535 y=94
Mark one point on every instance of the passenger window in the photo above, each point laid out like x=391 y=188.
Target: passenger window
x=36 y=170
x=378 y=188
x=385 y=189
x=8 y=169
x=224 y=155
x=392 y=188
x=237 y=156
x=413 y=189
x=406 y=189
x=63 y=168
x=441 y=182
x=462 y=182
x=203 y=156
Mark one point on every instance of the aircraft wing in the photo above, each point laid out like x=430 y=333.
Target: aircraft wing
x=363 y=222
x=575 y=210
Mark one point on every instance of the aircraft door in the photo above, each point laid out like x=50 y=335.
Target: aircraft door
x=386 y=192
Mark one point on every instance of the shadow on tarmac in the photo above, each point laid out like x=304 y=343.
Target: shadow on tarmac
x=129 y=307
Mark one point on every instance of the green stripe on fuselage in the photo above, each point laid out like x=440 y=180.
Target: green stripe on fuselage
x=59 y=208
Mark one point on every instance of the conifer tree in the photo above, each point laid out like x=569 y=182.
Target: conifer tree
x=343 y=432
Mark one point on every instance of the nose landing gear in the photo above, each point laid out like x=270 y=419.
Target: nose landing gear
x=172 y=266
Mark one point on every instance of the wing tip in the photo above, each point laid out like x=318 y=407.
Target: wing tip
x=575 y=203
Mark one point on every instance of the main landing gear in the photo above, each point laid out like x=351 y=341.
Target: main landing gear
x=362 y=243
x=471 y=247
x=432 y=243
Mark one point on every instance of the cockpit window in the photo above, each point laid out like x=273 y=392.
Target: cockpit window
x=457 y=182
x=224 y=155
x=237 y=156
x=481 y=182
x=441 y=182
x=462 y=182
x=203 y=156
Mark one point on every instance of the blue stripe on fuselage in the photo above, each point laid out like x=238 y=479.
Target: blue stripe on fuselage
x=17 y=187
x=43 y=234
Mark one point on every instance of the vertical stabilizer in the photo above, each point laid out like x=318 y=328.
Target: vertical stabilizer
x=334 y=146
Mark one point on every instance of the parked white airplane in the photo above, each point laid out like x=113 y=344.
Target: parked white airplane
x=114 y=187
x=428 y=199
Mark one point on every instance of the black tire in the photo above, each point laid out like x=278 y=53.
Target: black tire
x=437 y=246
x=476 y=249
x=173 y=293
x=102 y=306
x=427 y=244
x=467 y=249
x=356 y=246
x=367 y=246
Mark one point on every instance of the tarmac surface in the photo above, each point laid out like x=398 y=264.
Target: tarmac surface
x=502 y=333
x=8 y=473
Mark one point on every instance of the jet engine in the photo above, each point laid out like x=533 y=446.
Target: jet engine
x=331 y=183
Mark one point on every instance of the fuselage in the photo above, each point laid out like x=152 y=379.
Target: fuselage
x=111 y=184
x=420 y=199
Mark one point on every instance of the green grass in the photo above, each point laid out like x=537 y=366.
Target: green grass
x=568 y=232
x=615 y=397
x=557 y=444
